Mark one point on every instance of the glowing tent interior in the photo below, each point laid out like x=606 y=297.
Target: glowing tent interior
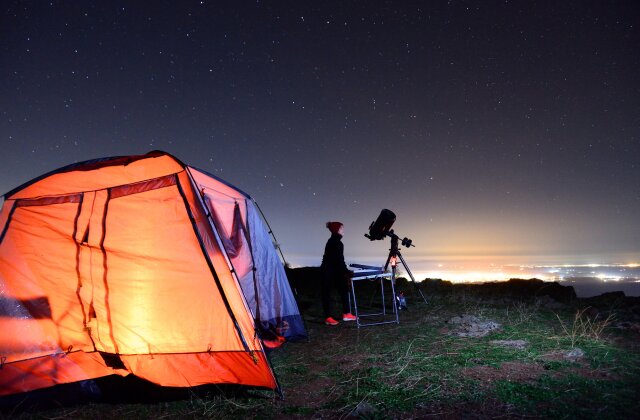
x=138 y=265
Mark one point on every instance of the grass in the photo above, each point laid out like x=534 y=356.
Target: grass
x=580 y=397
x=585 y=326
x=418 y=368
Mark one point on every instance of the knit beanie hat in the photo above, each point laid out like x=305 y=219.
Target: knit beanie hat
x=334 y=226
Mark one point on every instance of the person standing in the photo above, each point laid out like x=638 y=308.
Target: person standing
x=335 y=274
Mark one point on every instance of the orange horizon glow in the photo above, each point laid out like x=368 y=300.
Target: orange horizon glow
x=491 y=268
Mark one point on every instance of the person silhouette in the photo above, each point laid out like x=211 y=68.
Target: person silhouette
x=335 y=274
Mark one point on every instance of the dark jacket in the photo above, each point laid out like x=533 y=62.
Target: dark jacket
x=333 y=259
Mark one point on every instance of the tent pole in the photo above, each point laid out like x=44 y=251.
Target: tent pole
x=233 y=273
x=213 y=227
x=203 y=248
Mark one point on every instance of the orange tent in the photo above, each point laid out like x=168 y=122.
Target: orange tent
x=117 y=266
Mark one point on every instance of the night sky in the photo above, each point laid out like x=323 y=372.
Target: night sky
x=502 y=132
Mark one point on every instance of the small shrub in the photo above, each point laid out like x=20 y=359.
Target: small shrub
x=523 y=313
x=584 y=326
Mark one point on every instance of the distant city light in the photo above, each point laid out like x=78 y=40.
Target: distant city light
x=467 y=272
x=608 y=277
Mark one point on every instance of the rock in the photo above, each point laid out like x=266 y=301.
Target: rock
x=606 y=300
x=548 y=302
x=627 y=325
x=464 y=319
x=431 y=319
x=592 y=312
x=516 y=344
x=574 y=354
x=436 y=285
x=363 y=410
x=472 y=326
x=519 y=290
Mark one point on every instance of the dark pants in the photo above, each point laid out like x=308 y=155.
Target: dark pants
x=329 y=281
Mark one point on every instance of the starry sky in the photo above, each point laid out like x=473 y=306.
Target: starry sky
x=502 y=131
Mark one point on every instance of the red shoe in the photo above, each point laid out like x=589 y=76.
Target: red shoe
x=331 y=321
x=349 y=317
x=272 y=344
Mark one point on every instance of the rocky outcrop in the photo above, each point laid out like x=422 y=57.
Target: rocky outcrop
x=472 y=326
x=520 y=289
x=531 y=290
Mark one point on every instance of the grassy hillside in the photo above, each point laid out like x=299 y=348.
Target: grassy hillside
x=465 y=353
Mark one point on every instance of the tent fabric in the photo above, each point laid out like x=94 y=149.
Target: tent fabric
x=278 y=310
x=254 y=258
x=114 y=266
x=53 y=369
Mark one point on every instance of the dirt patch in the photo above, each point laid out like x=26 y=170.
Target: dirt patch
x=487 y=409
x=529 y=372
x=348 y=362
x=598 y=374
x=311 y=394
x=329 y=358
x=510 y=371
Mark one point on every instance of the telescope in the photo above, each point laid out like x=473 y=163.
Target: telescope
x=381 y=228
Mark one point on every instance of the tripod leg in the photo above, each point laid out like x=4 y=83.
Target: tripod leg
x=393 y=293
x=411 y=276
x=355 y=304
x=386 y=265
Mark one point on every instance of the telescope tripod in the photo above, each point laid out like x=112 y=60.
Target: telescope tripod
x=394 y=254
